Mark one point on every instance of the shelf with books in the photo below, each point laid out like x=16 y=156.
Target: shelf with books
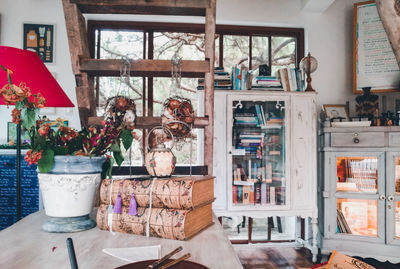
x=258 y=154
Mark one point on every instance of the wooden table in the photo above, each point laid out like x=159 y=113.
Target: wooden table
x=25 y=245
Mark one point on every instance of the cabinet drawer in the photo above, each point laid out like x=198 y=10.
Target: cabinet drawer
x=394 y=139
x=373 y=139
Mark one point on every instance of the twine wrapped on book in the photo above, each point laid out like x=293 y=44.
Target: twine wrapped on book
x=148 y=217
x=133 y=204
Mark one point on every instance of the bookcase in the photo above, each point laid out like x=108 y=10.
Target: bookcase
x=265 y=155
x=360 y=191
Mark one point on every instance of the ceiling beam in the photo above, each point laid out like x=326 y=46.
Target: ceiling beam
x=316 y=5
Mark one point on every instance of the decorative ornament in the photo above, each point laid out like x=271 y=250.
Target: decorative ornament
x=367 y=104
x=159 y=160
x=178 y=114
x=308 y=65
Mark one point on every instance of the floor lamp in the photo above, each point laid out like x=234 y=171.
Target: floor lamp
x=28 y=68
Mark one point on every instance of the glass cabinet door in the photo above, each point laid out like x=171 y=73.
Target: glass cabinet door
x=258 y=154
x=393 y=197
x=359 y=189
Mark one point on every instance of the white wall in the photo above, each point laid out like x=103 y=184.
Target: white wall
x=16 y=12
x=328 y=37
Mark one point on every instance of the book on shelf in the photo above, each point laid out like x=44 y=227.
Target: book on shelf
x=177 y=224
x=257 y=193
x=343 y=226
x=246 y=195
x=240 y=194
x=251 y=194
x=263 y=194
x=291 y=79
x=176 y=192
x=280 y=195
x=234 y=194
x=272 y=195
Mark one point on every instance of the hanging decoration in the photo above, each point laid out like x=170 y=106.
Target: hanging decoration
x=178 y=114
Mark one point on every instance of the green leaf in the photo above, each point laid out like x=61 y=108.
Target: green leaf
x=19 y=105
x=127 y=139
x=60 y=150
x=115 y=148
x=28 y=118
x=118 y=157
x=46 y=162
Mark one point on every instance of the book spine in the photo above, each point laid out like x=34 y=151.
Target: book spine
x=257 y=193
x=240 y=194
x=234 y=194
x=263 y=193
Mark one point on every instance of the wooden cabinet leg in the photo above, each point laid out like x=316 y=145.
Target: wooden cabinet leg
x=314 y=249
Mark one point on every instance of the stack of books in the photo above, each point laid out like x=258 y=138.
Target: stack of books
x=222 y=80
x=258 y=194
x=271 y=82
x=246 y=119
x=252 y=143
x=292 y=79
x=181 y=206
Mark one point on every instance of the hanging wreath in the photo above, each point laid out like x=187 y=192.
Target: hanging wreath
x=178 y=115
x=122 y=111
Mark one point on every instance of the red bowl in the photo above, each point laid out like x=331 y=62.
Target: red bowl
x=181 y=265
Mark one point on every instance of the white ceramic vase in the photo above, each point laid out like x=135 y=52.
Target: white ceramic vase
x=68 y=192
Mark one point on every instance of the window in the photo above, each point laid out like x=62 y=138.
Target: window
x=234 y=45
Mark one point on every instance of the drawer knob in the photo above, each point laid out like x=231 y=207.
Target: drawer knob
x=390 y=198
x=356 y=140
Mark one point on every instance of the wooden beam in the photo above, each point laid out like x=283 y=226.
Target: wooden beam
x=150 y=122
x=146 y=3
x=79 y=47
x=140 y=10
x=209 y=86
x=159 y=68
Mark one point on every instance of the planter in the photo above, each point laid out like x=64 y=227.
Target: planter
x=68 y=192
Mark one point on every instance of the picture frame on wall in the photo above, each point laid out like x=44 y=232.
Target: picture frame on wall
x=12 y=134
x=374 y=62
x=39 y=38
x=336 y=112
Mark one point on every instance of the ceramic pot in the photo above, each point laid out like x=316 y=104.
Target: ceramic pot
x=68 y=192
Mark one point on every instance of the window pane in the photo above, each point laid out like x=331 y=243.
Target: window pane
x=259 y=51
x=236 y=50
x=189 y=46
x=115 y=44
x=283 y=50
x=357 y=174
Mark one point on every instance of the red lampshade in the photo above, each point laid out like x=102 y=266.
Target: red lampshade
x=27 y=67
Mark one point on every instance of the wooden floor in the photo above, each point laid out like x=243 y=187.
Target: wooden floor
x=256 y=257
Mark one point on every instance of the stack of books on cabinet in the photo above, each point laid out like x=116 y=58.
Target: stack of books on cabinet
x=267 y=82
x=222 y=80
x=292 y=79
x=180 y=206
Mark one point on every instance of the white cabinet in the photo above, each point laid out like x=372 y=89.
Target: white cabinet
x=265 y=155
x=360 y=192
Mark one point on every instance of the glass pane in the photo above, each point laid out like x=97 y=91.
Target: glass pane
x=189 y=46
x=114 y=44
x=357 y=174
x=283 y=228
x=258 y=141
x=235 y=227
x=397 y=220
x=259 y=51
x=358 y=217
x=397 y=175
x=283 y=50
x=236 y=51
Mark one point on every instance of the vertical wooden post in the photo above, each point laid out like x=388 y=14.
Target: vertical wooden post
x=209 y=86
x=79 y=48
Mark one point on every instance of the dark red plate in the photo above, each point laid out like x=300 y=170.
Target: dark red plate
x=181 y=265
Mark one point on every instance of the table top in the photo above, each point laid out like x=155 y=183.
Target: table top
x=25 y=245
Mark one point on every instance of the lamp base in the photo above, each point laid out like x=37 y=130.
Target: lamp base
x=68 y=224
